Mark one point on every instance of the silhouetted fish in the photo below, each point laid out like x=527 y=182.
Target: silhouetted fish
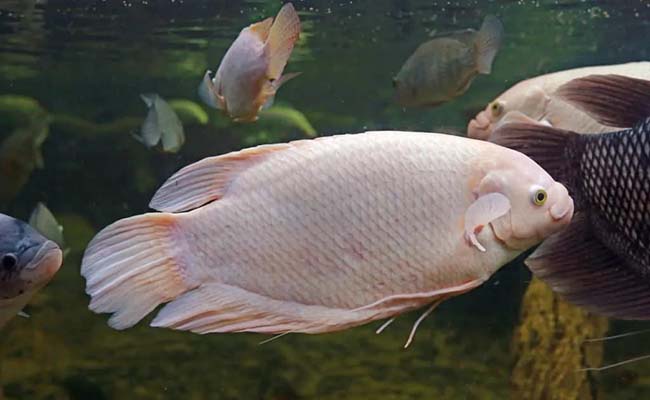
x=444 y=67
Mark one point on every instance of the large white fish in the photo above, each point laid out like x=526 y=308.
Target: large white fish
x=534 y=100
x=324 y=234
x=251 y=71
x=27 y=262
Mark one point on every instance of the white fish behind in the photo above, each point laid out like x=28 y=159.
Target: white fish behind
x=534 y=100
x=324 y=234
x=161 y=125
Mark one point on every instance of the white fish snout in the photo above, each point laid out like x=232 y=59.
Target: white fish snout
x=479 y=127
x=562 y=208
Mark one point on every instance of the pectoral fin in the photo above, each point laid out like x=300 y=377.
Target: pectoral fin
x=481 y=212
x=209 y=94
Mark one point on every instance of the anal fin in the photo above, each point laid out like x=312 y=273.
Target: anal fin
x=221 y=308
x=578 y=266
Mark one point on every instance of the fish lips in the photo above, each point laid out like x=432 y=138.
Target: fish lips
x=35 y=273
x=480 y=127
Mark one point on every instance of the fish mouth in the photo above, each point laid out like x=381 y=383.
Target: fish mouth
x=480 y=127
x=562 y=211
x=47 y=260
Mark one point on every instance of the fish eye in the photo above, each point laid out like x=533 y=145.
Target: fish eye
x=539 y=197
x=9 y=261
x=496 y=108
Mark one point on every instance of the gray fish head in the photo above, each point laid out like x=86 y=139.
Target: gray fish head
x=27 y=259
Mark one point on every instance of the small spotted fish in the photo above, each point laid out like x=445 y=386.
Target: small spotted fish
x=161 y=125
x=443 y=68
x=602 y=260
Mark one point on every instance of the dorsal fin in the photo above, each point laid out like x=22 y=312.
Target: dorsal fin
x=207 y=180
x=282 y=37
x=262 y=28
x=612 y=100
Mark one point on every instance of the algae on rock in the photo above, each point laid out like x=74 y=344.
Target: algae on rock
x=550 y=350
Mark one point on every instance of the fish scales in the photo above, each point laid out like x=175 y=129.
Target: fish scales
x=283 y=254
x=620 y=208
x=319 y=235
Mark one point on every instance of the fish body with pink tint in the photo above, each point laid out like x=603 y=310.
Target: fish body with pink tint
x=321 y=235
x=28 y=261
x=534 y=101
x=250 y=72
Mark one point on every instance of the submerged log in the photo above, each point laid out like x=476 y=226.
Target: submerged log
x=550 y=350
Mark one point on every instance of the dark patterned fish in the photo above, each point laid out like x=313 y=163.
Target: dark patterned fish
x=602 y=260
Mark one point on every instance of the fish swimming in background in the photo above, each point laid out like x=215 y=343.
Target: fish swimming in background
x=28 y=261
x=46 y=224
x=250 y=73
x=324 y=234
x=602 y=260
x=443 y=68
x=161 y=125
x=20 y=155
x=534 y=100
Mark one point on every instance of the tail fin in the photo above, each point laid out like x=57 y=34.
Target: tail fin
x=488 y=42
x=284 y=33
x=585 y=272
x=547 y=146
x=612 y=100
x=134 y=265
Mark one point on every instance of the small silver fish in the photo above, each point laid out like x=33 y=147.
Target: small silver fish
x=44 y=222
x=161 y=124
x=250 y=73
x=27 y=262
x=444 y=67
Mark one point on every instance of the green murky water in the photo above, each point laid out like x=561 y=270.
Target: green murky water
x=85 y=63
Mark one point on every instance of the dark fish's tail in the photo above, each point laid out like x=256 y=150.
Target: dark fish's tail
x=612 y=100
x=578 y=266
x=553 y=149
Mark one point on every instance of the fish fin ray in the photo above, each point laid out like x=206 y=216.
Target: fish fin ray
x=208 y=93
x=481 y=212
x=488 y=42
x=262 y=28
x=219 y=308
x=546 y=145
x=612 y=100
x=207 y=180
x=578 y=266
x=132 y=266
x=282 y=37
